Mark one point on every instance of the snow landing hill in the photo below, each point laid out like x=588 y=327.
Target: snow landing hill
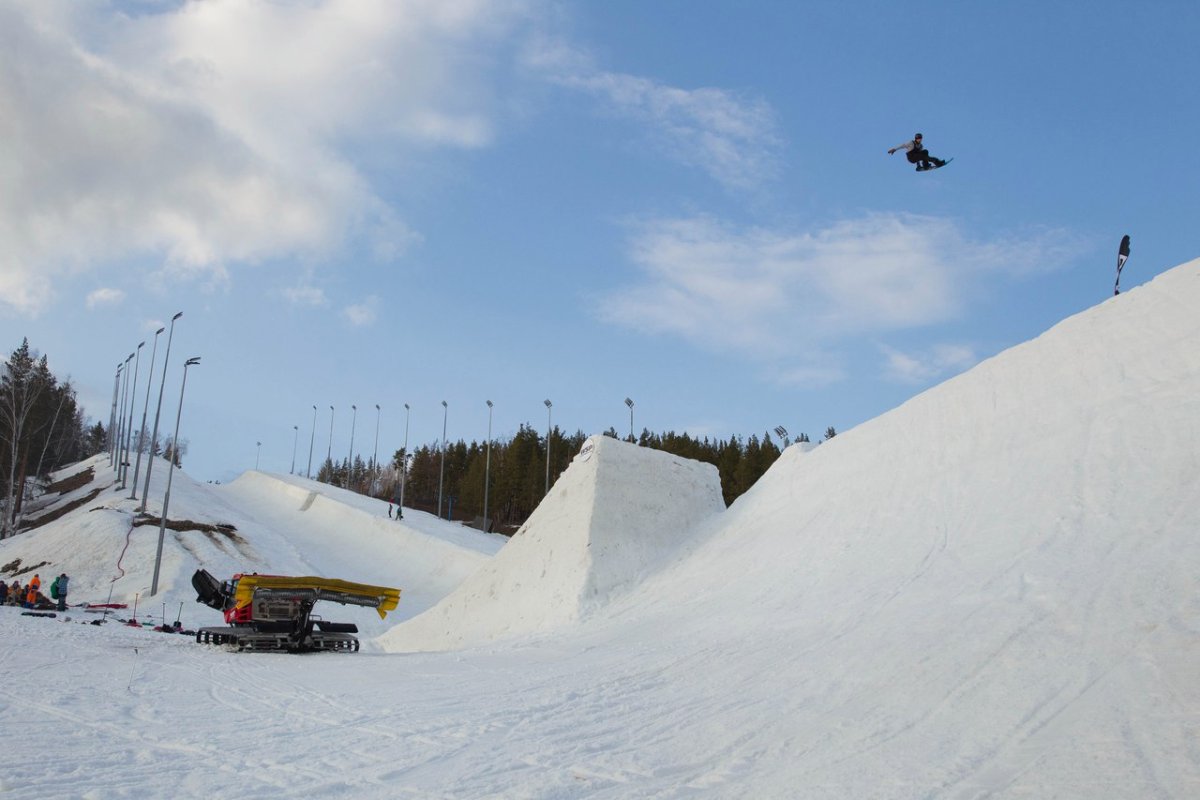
x=273 y=524
x=990 y=591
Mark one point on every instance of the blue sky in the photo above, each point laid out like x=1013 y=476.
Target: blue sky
x=690 y=204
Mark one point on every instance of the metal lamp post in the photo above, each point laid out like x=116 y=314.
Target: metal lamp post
x=124 y=425
x=154 y=434
x=132 y=402
x=487 y=469
x=257 y=453
x=123 y=373
x=329 y=453
x=404 y=462
x=311 y=439
x=629 y=403
x=295 y=441
x=442 y=472
x=375 y=457
x=162 y=524
x=145 y=407
x=549 y=405
x=112 y=420
x=782 y=433
x=350 y=460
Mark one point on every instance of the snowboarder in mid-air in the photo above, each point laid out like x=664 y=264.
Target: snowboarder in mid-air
x=917 y=154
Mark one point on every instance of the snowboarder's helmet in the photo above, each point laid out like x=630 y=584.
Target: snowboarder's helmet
x=917 y=136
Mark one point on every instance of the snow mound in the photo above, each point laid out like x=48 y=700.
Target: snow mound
x=347 y=535
x=616 y=513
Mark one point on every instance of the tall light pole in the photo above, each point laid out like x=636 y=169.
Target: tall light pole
x=404 y=462
x=329 y=454
x=162 y=524
x=442 y=472
x=145 y=407
x=257 y=453
x=124 y=426
x=487 y=469
x=112 y=420
x=350 y=461
x=295 y=441
x=154 y=434
x=132 y=402
x=629 y=403
x=311 y=439
x=549 y=405
x=375 y=458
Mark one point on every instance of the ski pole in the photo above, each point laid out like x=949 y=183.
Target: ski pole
x=108 y=602
x=129 y=686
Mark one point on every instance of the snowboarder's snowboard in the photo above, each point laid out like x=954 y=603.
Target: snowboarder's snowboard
x=932 y=168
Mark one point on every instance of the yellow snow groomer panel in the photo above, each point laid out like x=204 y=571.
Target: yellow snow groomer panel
x=382 y=598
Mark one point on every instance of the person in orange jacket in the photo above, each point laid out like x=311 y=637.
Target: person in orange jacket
x=36 y=583
x=31 y=597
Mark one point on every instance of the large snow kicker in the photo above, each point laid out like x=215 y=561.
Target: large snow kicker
x=614 y=515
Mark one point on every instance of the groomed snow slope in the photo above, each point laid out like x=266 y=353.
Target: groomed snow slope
x=989 y=592
x=614 y=515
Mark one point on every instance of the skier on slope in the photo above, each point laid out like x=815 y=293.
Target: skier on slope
x=917 y=154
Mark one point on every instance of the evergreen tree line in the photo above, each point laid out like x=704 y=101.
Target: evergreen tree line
x=41 y=430
x=517 y=471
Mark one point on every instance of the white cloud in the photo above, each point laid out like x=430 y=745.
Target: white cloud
x=733 y=138
x=215 y=134
x=105 y=297
x=923 y=367
x=362 y=314
x=305 y=296
x=788 y=296
x=810 y=374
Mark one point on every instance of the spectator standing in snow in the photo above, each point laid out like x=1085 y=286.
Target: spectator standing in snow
x=62 y=581
x=389 y=510
x=36 y=583
x=3 y=592
x=31 y=596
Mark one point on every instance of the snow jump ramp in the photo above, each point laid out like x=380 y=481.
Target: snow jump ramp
x=614 y=515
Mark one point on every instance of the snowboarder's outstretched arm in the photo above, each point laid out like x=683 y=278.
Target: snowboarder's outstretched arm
x=906 y=147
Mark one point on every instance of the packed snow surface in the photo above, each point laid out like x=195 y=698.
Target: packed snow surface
x=990 y=591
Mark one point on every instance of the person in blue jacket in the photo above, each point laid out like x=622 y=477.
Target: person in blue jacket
x=61 y=582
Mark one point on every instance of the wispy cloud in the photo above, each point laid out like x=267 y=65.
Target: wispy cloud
x=788 y=296
x=927 y=365
x=362 y=314
x=306 y=295
x=733 y=137
x=221 y=133
x=105 y=297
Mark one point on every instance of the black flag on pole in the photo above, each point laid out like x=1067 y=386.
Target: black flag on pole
x=1122 y=254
